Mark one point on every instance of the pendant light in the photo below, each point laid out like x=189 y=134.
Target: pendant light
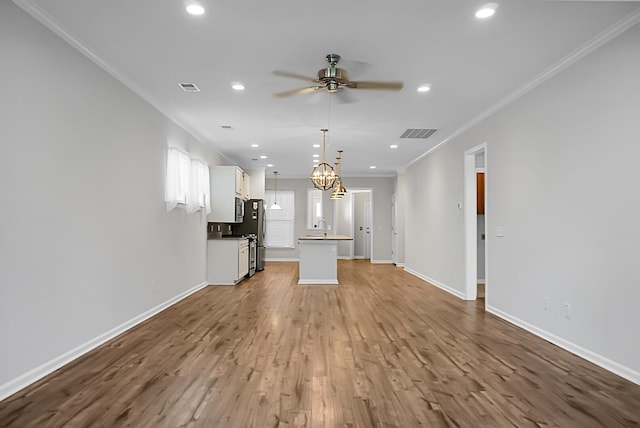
x=339 y=190
x=275 y=205
x=323 y=176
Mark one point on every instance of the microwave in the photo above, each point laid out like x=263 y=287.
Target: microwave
x=239 y=210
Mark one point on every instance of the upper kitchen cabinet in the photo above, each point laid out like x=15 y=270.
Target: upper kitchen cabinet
x=227 y=194
x=239 y=181
x=246 y=180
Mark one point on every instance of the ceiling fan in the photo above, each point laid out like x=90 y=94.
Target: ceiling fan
x=333 y=79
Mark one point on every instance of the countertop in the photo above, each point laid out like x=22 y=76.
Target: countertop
x=325 y=238
x=227 y=238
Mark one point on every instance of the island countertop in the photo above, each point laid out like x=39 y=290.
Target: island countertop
x=325 y=238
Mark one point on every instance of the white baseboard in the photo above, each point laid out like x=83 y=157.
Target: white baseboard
x=400 y=264
x=382 y=262
x=317 y=282
x=436 y=283
x=22 y=381
x=284 y=259
x=597 y=359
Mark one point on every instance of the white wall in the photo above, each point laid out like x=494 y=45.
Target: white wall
x=401 y=210
x=382 y=189
x=562 y=179
x=86 y=244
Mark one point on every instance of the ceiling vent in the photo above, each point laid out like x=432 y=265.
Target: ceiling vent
x=418 y=133
x=189 y=87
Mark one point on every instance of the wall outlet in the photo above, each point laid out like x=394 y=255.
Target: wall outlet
x=500 y=231
x=567 y=310
x=546 y=303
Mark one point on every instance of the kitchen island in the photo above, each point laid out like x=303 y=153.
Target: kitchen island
x=319 y=258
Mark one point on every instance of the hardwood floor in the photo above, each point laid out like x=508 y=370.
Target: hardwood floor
x=382 y=349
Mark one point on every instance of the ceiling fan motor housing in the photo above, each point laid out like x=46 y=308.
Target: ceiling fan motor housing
x=333 y=77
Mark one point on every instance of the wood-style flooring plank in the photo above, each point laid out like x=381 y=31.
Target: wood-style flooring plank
x=382 y=349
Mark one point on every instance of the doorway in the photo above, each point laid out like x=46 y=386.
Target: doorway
x=353 y=216
x=361 y=224
x=475 y=169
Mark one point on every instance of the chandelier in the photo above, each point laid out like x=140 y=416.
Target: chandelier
x=338 y=191
x=323 y=175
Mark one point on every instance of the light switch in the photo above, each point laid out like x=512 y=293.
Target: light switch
x=500 y=231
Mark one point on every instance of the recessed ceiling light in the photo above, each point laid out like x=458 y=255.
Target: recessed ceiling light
x=269 y=165
x=316 y=156
x=195 y=9
x=237 y=86
x=393 y=146
x=263 y=156
x=315 y=146
x=424 y=88
x=372 y=167
x=255 y=145
x=486 y=11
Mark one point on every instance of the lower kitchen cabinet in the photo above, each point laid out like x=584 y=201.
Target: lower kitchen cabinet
x=227 y=260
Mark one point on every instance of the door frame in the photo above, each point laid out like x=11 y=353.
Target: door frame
x=372 y=219
x=471 y=225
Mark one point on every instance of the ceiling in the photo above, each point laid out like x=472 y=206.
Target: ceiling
x=471 y=65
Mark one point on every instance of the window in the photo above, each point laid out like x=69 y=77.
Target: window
x=279 y=224
x=314 y=208
x=198 y=194
x=187 y=182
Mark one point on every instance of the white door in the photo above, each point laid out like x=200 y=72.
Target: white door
x=367 y=227
x=394 y=233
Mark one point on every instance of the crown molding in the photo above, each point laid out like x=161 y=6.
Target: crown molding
x=594 y=43
x=68 y=36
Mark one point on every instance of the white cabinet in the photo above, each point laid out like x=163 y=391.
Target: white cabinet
x=246 y=191
x=243 y=259
x=227 y=260
x=227 y=184
x=239 y=182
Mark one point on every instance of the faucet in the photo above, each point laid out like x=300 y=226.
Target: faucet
x=324 y=229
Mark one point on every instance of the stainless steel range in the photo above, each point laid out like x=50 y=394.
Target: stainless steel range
x=253 y=242
x=253 y=224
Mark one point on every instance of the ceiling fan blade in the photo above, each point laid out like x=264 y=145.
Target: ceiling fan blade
x=391 y=86
x=294 y=76
x=296 y=92
x=343 y=96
